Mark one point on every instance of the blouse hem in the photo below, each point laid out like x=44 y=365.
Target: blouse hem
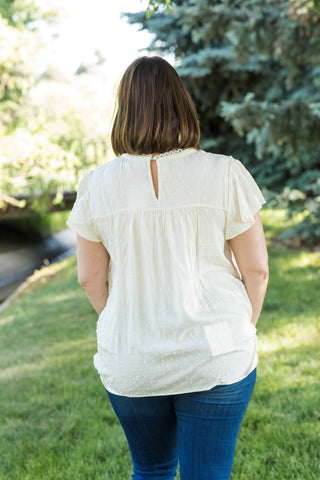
x=183 y=391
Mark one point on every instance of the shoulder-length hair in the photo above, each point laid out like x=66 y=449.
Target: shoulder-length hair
x=155 y=112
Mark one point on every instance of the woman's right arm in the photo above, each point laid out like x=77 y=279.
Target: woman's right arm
x=250 y=251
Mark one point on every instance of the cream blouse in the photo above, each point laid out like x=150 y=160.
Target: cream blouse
x=178 y=316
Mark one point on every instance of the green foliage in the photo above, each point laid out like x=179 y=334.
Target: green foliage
x=253 y=71
x=57 y=424
x=317 y=4
x=47 y=139
x=18 y=12
x=35 y=227
x=39 y=167
x=155 y=5
x=34 y=166
x=18 y=49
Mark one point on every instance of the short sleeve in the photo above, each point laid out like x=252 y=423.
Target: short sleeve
x=80 y=219
x=244 y=199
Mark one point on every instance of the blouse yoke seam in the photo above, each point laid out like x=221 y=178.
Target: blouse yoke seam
x=134 y=210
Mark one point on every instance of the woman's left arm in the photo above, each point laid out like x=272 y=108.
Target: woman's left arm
x=93 y=264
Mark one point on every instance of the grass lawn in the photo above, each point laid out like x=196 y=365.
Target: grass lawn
x=55 y=419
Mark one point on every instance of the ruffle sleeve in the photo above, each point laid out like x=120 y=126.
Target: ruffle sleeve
x=244 y=199
x=80 y=219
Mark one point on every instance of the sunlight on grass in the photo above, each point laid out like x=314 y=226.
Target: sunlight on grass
x=289 y=336
x=58 y=354
x=6 y=319
x=301 y=260
x=58 y=297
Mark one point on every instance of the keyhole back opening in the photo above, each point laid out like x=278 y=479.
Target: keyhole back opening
x=154 y=175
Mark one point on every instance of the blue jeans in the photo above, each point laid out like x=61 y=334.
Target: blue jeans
x=199 y=430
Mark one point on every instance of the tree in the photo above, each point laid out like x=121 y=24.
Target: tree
x=50 y=130
x=156 y=6
x=18 y=50
x=252 y=68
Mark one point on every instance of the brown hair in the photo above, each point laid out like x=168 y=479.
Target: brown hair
x=155 y=113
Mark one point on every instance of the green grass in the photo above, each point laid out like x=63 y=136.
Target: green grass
x=56 y=422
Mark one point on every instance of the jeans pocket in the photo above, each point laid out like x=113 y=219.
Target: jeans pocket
x=220 y=338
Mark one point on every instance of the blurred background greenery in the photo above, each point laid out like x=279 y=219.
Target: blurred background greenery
x=51 y=127
x=252 y=67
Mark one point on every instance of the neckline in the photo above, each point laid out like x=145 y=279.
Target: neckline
x=173 y=153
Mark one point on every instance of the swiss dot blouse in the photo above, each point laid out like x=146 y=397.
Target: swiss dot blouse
x=177 y=318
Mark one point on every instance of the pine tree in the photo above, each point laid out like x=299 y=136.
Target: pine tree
x=253 y=69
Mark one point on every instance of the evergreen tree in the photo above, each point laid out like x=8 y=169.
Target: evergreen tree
x=253 y=69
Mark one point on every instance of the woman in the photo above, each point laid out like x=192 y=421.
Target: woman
x=176 y=331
